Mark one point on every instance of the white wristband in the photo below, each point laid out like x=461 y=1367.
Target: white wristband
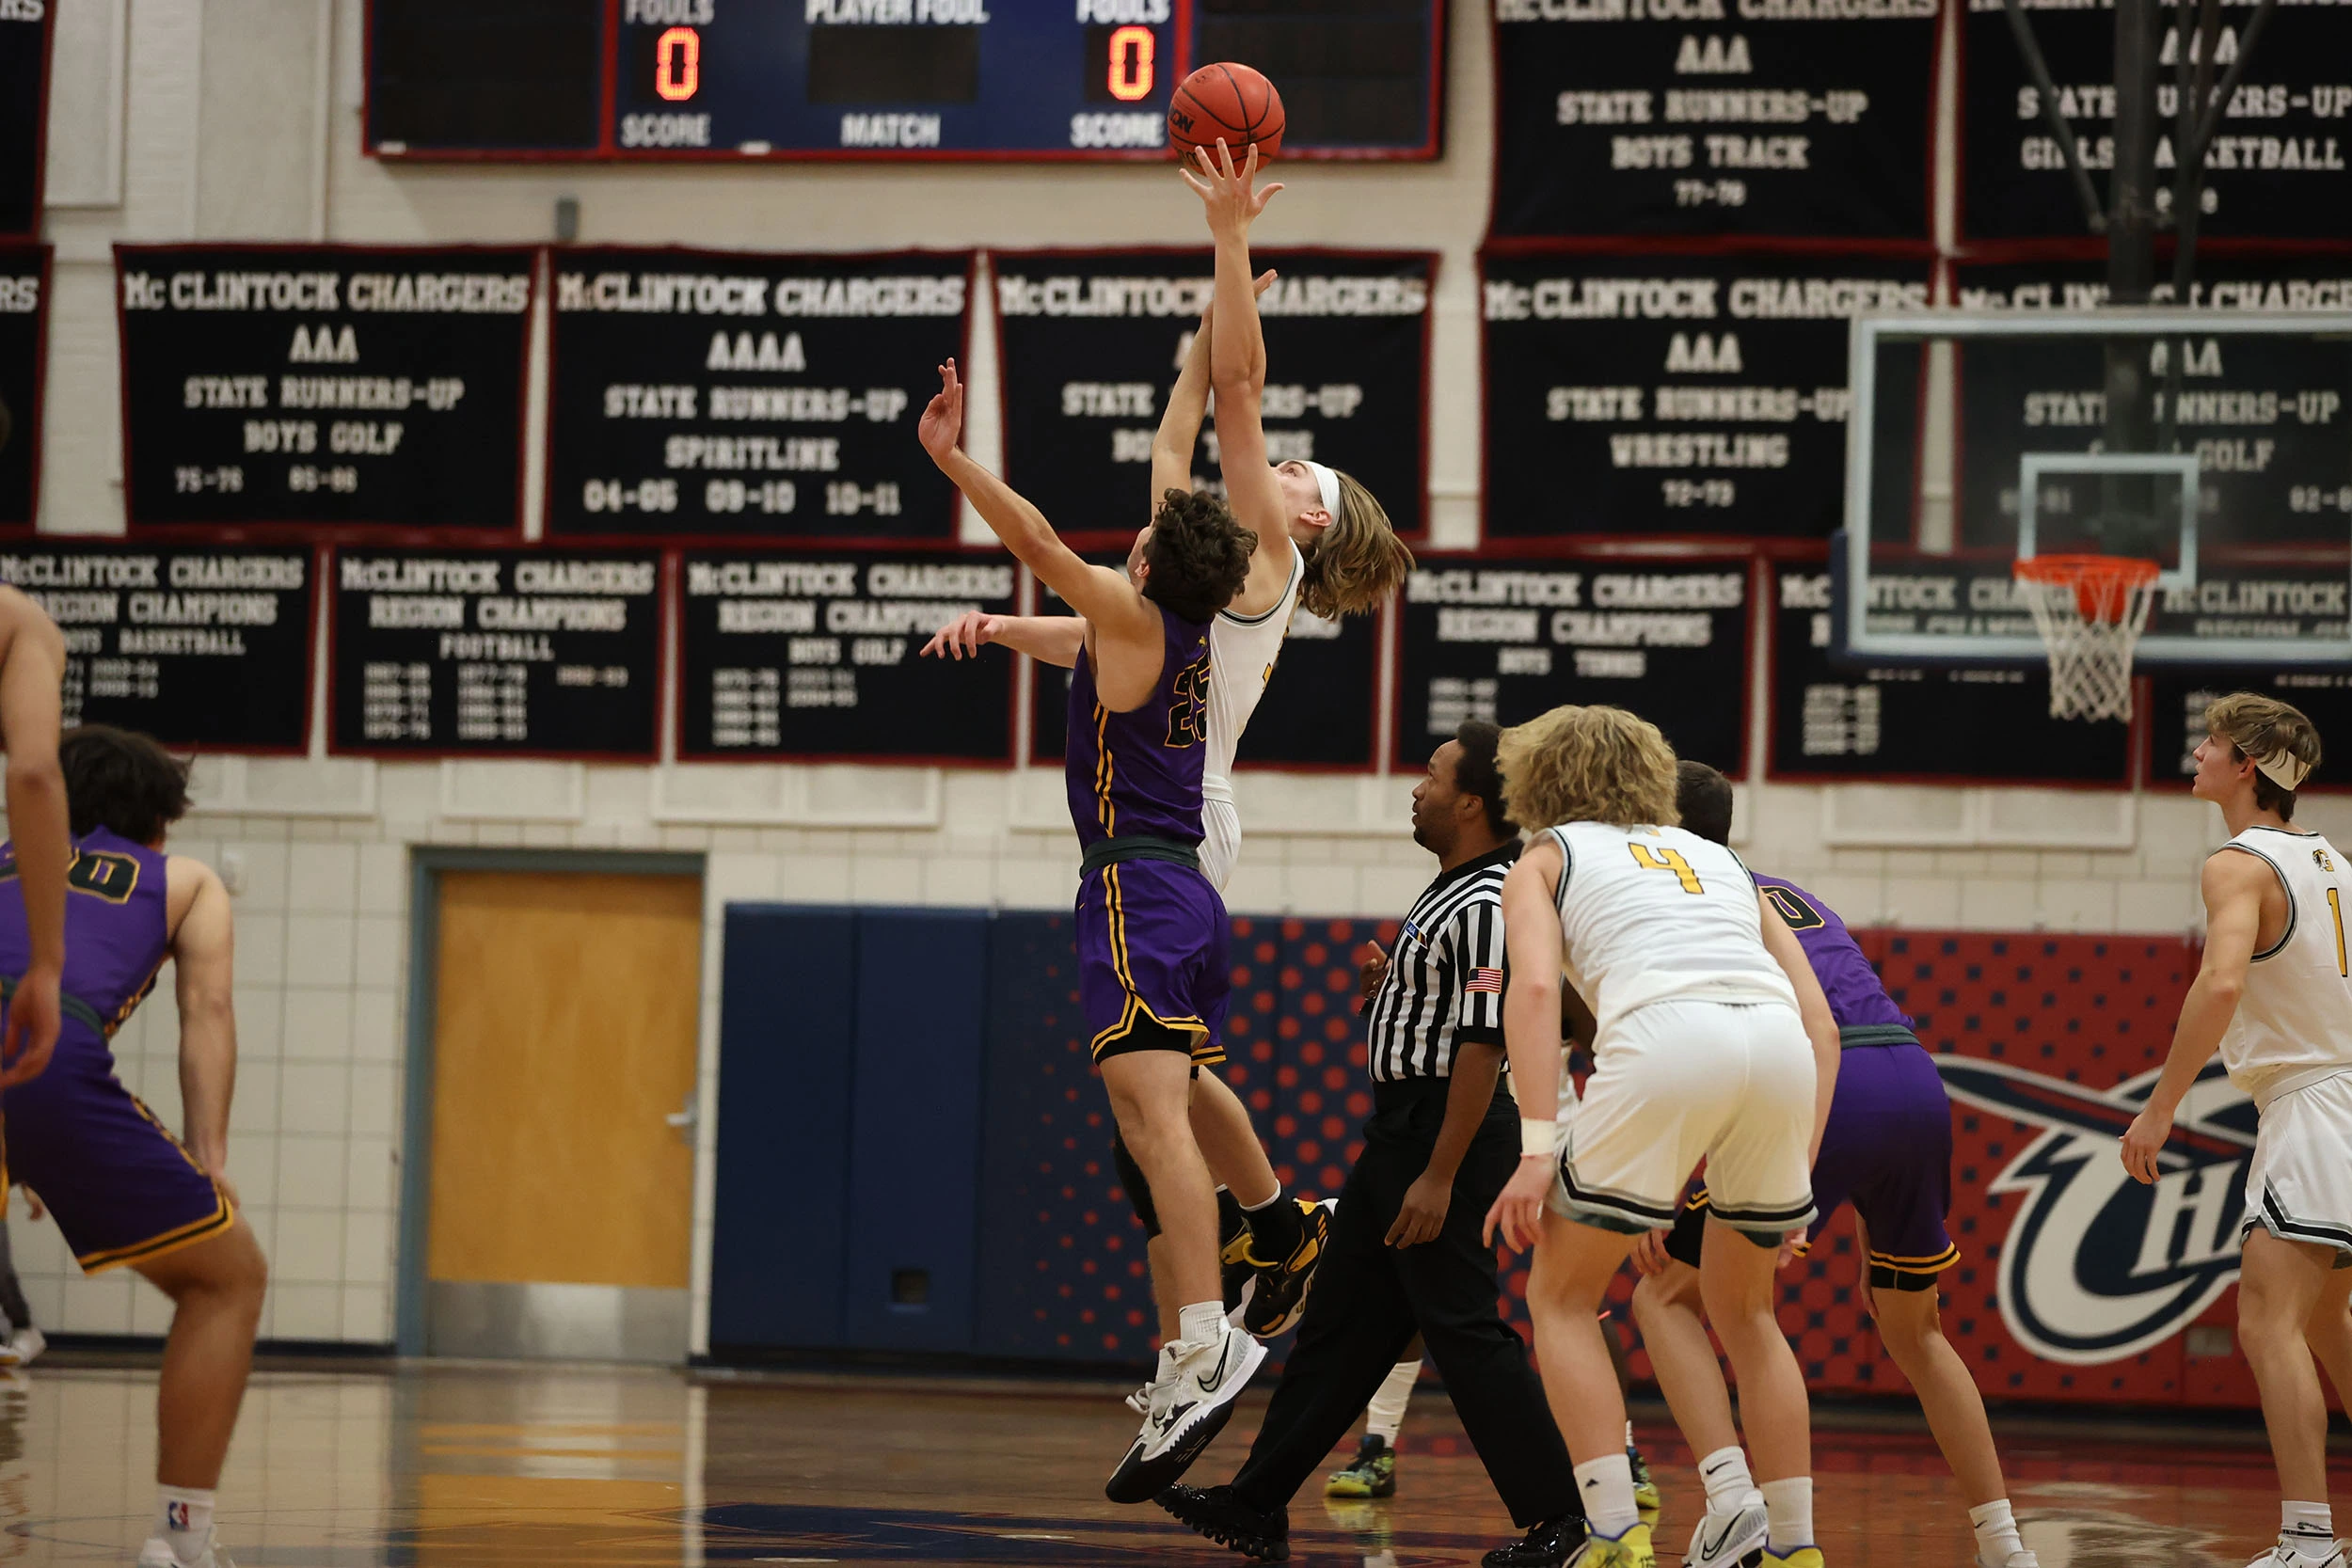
x=1538 y=1139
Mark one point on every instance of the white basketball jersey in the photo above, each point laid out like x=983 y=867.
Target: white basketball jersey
x=1241 y=651
x=2294 y=1025
x=1651 y=915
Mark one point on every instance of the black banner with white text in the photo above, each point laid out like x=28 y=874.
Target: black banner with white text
x=814 y=656
x=324 y=384
x=1662 y=395
x=202 y=646
x=1506 y=639
x=1695 y=116
x=1090 y=343
x=703 y=394
x=505 y=653
x=24 y=331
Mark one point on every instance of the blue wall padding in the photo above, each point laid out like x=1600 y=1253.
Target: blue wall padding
x=915 y=1145
x=781 y=1221
x=1054 y=1220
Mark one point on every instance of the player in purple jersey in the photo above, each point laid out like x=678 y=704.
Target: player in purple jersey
x=32 y=671
x=1888 y=1150
x=124 y=1190
x=1153 y=973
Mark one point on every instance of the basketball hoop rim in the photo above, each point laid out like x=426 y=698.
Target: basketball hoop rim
x=2102 y=587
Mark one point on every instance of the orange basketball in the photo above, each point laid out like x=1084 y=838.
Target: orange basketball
x=1229 y=100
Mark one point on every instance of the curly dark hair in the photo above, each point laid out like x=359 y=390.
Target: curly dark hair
x=1198 y=555
x=122 y=781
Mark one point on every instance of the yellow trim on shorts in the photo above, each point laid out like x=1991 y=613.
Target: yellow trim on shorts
x=1935 y=1264
x=223 y=1214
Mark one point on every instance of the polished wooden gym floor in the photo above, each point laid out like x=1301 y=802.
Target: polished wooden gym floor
x=443 y=1464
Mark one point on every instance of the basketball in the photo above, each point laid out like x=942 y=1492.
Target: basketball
x=1226 y=100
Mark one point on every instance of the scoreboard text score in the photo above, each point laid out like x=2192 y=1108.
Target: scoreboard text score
x=881 y=79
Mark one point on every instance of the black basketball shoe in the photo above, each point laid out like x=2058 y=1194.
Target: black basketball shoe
x=1278 y=1288
x=1547 y=1546
x=1216 y=1513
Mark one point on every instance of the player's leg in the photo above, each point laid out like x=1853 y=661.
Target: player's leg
x=20 y=1340
x=1667 y=1309
x=1150 y=1093
x=1373 y=1472
x=2280 y=1288
x=1574 y=1263
x=2329 y=1330
x=1287 y=1234
x=215 y=1288
x=1761 y=1186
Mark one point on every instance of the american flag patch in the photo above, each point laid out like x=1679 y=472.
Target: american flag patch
x=1487 y=980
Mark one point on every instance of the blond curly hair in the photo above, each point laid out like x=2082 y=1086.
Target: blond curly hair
x=1588 y=763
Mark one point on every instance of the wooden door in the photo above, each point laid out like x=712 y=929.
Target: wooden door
x=563 y=1033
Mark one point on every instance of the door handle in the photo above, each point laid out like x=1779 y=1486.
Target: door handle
x=686 y=1118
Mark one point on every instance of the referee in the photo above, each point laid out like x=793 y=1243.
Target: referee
x=1404 y=1251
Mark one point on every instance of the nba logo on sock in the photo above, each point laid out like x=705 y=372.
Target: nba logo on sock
x=176 y=1515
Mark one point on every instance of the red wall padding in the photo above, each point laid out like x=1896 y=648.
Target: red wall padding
x=2060 y=1020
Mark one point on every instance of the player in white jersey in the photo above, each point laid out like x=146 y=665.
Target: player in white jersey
x=1323 y=546
x=2274 y=994
x=1711 y=1039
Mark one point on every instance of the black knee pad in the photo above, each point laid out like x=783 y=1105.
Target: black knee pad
x=1138 y=1190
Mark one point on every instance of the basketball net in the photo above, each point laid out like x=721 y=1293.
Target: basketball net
x=2091 y=611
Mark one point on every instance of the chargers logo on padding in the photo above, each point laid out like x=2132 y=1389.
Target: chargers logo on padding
x=2098 y=1267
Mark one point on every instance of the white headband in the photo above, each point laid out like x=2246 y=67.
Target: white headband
x=2285 y=769
x=1328 y=482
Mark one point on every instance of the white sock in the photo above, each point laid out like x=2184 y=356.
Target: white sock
x=1606 y=1487
x=1386 y=1413
x=1790 y=1504
x=1202 y=1323
x=1628 y=1434
x=2308 y=1525
x=184 y=1520
x=1997 y=1531
x=1729 y=1487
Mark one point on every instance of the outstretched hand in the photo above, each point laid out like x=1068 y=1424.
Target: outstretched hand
x=943 y=420
x=966 y=634
x=1232 y=196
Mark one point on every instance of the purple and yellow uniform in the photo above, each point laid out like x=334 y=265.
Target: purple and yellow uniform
x=1888 y=1145
x=1152 y=930
x=122 y=1188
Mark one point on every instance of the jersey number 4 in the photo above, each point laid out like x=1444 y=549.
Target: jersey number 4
x=1667 y=860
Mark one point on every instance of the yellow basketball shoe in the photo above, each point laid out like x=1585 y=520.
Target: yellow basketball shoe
x=1796 y=1557
x=1630 y=1550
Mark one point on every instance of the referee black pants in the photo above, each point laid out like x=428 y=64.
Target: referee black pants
x=1369 y=1298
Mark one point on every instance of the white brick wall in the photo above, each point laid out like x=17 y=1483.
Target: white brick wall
x=323 y=910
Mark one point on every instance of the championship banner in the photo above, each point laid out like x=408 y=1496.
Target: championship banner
x=1506 y=639
x=815 y=657
x=205 y=647
x=699 y=394
x=1836 y=721
x=27 y=32
x=1695 y=116
x=2270 y=421
x=1092 y=341
x=491 y=653
x=1659 y=396
x=24 y=335
x=324 y=384
x=2276 y=168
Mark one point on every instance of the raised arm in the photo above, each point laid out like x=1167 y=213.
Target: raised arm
x=203 y=965
x=2234 y=885
x=1237 y=363
x=1187 y=405
x=1820 y=1024
x=32 y=672
x=1531 y=1038
x=1105 y=597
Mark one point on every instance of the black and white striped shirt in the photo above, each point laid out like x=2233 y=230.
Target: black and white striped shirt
x=1445 y=979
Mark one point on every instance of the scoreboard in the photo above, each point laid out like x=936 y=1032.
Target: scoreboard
x=883 y=79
